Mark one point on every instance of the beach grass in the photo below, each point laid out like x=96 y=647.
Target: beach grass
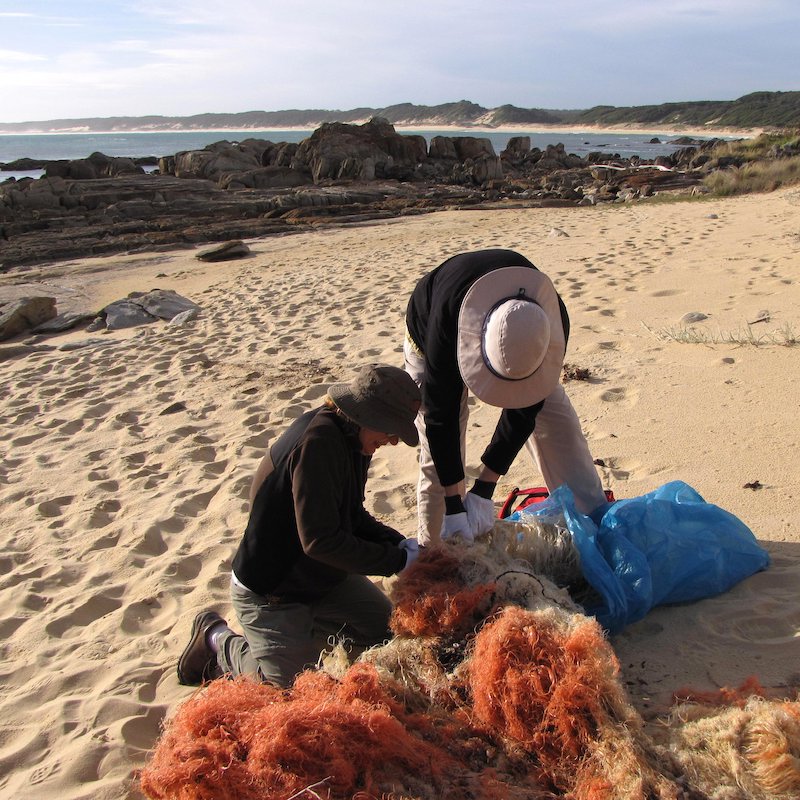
x=785 y=336
x=762 y=176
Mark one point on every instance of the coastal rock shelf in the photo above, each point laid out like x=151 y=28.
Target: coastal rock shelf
x=340 y=174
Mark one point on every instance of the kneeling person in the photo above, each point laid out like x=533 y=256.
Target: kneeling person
x=299 y=574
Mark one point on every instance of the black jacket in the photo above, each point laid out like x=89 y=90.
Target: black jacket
x=308 y=527
x=432 y=323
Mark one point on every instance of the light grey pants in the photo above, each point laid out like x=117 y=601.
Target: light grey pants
x=558 y=449
x=282 y=639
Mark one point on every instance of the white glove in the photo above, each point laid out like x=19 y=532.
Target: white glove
x=411 y=546
x=456 y=525
x=481 y=513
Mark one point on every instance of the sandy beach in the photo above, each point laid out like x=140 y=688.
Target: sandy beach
x=121 y=511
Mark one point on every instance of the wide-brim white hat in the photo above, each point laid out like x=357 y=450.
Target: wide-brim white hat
x=511 y=343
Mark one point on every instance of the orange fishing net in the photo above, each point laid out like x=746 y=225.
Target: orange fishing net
x=542 y=685
x=432 y=599
x=726 y=696
x=494 y=688
x=240 y=740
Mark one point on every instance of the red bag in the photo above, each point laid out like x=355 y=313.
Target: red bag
x=531 y=496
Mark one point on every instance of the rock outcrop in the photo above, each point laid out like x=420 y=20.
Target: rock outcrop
x=25 y=313
x=341 y=173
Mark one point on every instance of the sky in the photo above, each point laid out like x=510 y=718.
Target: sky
x=103 y=58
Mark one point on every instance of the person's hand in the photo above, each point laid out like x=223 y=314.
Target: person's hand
x=456 y=525
x=411 y=547
x=480 y=512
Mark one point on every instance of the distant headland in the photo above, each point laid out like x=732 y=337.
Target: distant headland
x=757 y=110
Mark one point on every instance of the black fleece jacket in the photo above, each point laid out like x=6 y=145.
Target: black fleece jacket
x=308 y=527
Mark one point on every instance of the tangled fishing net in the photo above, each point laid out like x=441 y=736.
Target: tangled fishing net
x=495 y=686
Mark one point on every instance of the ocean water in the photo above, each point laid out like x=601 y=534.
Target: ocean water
x=52 y=146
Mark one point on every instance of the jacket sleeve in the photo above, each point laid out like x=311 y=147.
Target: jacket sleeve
x=320 y=470
x=375 y=531
x=513 y=429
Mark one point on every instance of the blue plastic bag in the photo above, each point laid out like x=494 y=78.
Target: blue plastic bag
x=668 y=546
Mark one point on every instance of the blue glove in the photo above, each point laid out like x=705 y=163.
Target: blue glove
x=411 y=546
x=480 y=512
x=456 y=525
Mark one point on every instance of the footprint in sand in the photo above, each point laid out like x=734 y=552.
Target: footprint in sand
x=204 y=454
x=140 y=732
x=151 y=615
x=615 y=395
x=617 y=468
x=382 y=502
x=54 y=507
x=152 y=543
x=9 y=625
x=103 y=513
x=23 y=441
x=185 y=569
x=62 y=576
x=771 y=615
x=315 y=391
x=73 y=623
x=196 y=503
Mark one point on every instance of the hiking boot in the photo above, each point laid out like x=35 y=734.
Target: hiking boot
x=198 y=662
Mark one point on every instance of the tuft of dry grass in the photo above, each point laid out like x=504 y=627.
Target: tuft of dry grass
x=756 y=176
x=784 y=336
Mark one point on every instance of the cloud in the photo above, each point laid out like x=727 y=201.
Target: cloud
x=191 y=56
x=19 y=57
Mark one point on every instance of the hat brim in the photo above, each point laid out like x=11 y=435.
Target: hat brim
x=363 y=415
x=489 y=290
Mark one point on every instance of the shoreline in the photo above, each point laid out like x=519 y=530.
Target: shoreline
x=664 y=130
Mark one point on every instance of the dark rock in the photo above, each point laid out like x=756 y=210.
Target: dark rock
x=340 y=174
x=272 y=177
x=63 y=322
x=23 y=164
x=24 y=314
x=216 y=161
x=460 y=148
x=163 y=303
x=442 y=147
x=339 y=151
x=225 y=252
x=185 y=316
x=279 y=155
x=96 y=165
x=517 y=149
x=126 y=314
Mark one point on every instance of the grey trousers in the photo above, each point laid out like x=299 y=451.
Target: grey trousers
x=558 y=448
x=282 y=639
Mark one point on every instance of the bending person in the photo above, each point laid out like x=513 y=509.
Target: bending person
x=299 y=574
x=489 y=322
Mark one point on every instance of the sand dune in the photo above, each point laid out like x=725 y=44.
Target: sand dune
x=127 y=461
